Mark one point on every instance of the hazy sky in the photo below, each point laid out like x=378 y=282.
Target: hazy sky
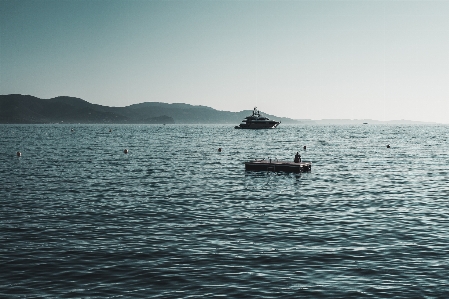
x=384 y=60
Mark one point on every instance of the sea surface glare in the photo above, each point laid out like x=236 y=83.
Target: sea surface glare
x=176 y=218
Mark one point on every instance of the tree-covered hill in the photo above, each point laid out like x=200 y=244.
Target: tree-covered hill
x=26 y=109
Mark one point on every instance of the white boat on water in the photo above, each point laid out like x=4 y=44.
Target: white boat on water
x=256 y=121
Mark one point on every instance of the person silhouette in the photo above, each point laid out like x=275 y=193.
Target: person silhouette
x=297 y=158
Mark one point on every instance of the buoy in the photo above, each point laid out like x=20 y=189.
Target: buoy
x=110 y=130
x=19 y=154
x=304 y=147
x=71 y=129
x=219 y=149
x=125 y=151
x=388 y=146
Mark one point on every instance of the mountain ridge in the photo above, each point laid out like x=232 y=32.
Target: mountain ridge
x=27 y=109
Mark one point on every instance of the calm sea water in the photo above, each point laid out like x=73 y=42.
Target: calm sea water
x=175 y=218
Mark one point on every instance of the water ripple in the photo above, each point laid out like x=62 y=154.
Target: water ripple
x=176 y=218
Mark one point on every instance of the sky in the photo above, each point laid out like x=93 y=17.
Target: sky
x=358 y=59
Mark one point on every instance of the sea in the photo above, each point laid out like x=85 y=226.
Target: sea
x=177 y=218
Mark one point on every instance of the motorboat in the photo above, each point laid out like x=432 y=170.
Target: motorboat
x=256 y=121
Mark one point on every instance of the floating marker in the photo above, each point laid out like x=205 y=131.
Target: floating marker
x=305 y=147
x=219 y=149
x=19 y=154
x=125 y=151
x=388 y=146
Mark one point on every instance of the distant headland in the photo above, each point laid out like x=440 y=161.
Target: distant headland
x=27 y=109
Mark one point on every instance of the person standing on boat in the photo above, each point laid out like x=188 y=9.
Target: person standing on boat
x=297 y=158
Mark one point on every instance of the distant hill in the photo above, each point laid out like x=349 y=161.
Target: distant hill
x=189 y=114
x=363 y=121
x=26 y=109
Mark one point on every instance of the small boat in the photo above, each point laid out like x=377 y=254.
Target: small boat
x=277 y=165
x=256 y=121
